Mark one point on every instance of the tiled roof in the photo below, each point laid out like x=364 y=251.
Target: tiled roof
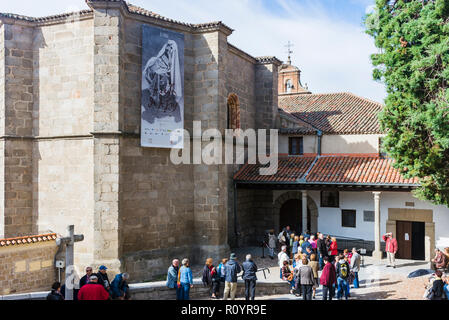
x=334 y=113
x=27 y=239
x=301 y=127
x=290 y=169
x=329 y=169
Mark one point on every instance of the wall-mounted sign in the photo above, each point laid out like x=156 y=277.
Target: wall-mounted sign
x=162 y=101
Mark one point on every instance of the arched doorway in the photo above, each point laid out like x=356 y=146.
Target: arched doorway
x=284 y=215
x=290 y=214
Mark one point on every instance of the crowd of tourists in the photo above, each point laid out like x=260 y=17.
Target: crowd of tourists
x=303 y=256
x=438 y=286
x=180 y=278
x=95 y=286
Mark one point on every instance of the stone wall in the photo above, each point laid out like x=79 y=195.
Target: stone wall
x=27 y=267
x=158 y=290
x=16 y=122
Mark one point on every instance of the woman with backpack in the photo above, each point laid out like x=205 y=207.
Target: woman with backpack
x=211 y=278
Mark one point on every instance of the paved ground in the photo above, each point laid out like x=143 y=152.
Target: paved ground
x=376 y=280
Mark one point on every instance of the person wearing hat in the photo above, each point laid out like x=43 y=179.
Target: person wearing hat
x=103 y=278
x=391 y=248
x=92 y=290
x=232 y=268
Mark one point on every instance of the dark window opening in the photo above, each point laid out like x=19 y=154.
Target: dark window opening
x=348 y=218
x=330 y=199
x=295 y=146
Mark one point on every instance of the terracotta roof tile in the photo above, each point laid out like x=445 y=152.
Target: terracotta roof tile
x=329 y=169
x=334 y=113
x=28 y=239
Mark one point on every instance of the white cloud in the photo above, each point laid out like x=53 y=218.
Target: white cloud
x=332 y=54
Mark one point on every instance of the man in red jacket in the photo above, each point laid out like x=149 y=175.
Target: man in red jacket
x=328 y=279
x=93 y=291
x=391 y=247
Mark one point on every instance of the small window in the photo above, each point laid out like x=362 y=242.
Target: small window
x=295 y=146
x=288 y=86
x=330 y=199
x=348 y=218
x=368 y=216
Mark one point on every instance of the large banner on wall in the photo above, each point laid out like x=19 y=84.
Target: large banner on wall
x=162 y=120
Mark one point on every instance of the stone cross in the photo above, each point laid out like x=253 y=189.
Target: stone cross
x=69 y=257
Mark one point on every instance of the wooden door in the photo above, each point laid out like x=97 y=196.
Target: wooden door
x=404 y=238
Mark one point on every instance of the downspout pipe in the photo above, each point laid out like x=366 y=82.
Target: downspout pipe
x=319 y=135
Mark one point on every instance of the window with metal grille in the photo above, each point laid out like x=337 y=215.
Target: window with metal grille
x=348 y=218
x=329 y=199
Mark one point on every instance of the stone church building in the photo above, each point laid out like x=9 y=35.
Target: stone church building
x=70 y=136
x=70 y=116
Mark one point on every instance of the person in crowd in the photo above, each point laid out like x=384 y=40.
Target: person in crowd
x=307 y=279
x=309 y=252
x=271 y=243
x=250 y=278
x=185 y=279
x=321 y=249
x=348 y=254
x=211 y=278
x=207 y=274
x=306 y=244
x=342 y=277
x=328 y=279
x=313 y=243
x=287 y=275
x=446 y=287
x=85 y=279
x=232 y=268
x=301 y=241
x=391 y=247
x=282 y=237
x=438 y=287
x=292 y=240
x=313 y=263
x=93 y=290
x=439 y=261
x=295 y=246
x=221 y=269
x=288 y=231
x=355 y=266
x=282 y=256
x=119 y=287
x=333 y=248
x=172 y=278
x=307 y=234
x=297 y=263
x=55 y=293
x=103 y=278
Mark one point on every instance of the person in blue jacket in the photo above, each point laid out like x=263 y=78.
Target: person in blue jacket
x=185 y=279
x=119 y=287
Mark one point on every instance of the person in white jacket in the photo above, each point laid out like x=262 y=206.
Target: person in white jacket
x=282 y=256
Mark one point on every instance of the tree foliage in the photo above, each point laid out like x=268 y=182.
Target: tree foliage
x=413 y=62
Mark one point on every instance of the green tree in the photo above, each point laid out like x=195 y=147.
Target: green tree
x=413 y=63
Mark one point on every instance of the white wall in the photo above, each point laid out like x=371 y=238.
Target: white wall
x=350 y=143
x=309 y=143
x=329 y=219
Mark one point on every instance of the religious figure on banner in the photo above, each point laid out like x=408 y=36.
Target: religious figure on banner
x=161 y=85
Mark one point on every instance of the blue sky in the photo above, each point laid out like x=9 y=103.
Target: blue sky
x=330 y=46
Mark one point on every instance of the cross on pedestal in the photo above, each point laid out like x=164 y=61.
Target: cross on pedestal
x=69 y=257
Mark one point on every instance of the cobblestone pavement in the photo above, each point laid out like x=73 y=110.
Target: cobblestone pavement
x=376 y=280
